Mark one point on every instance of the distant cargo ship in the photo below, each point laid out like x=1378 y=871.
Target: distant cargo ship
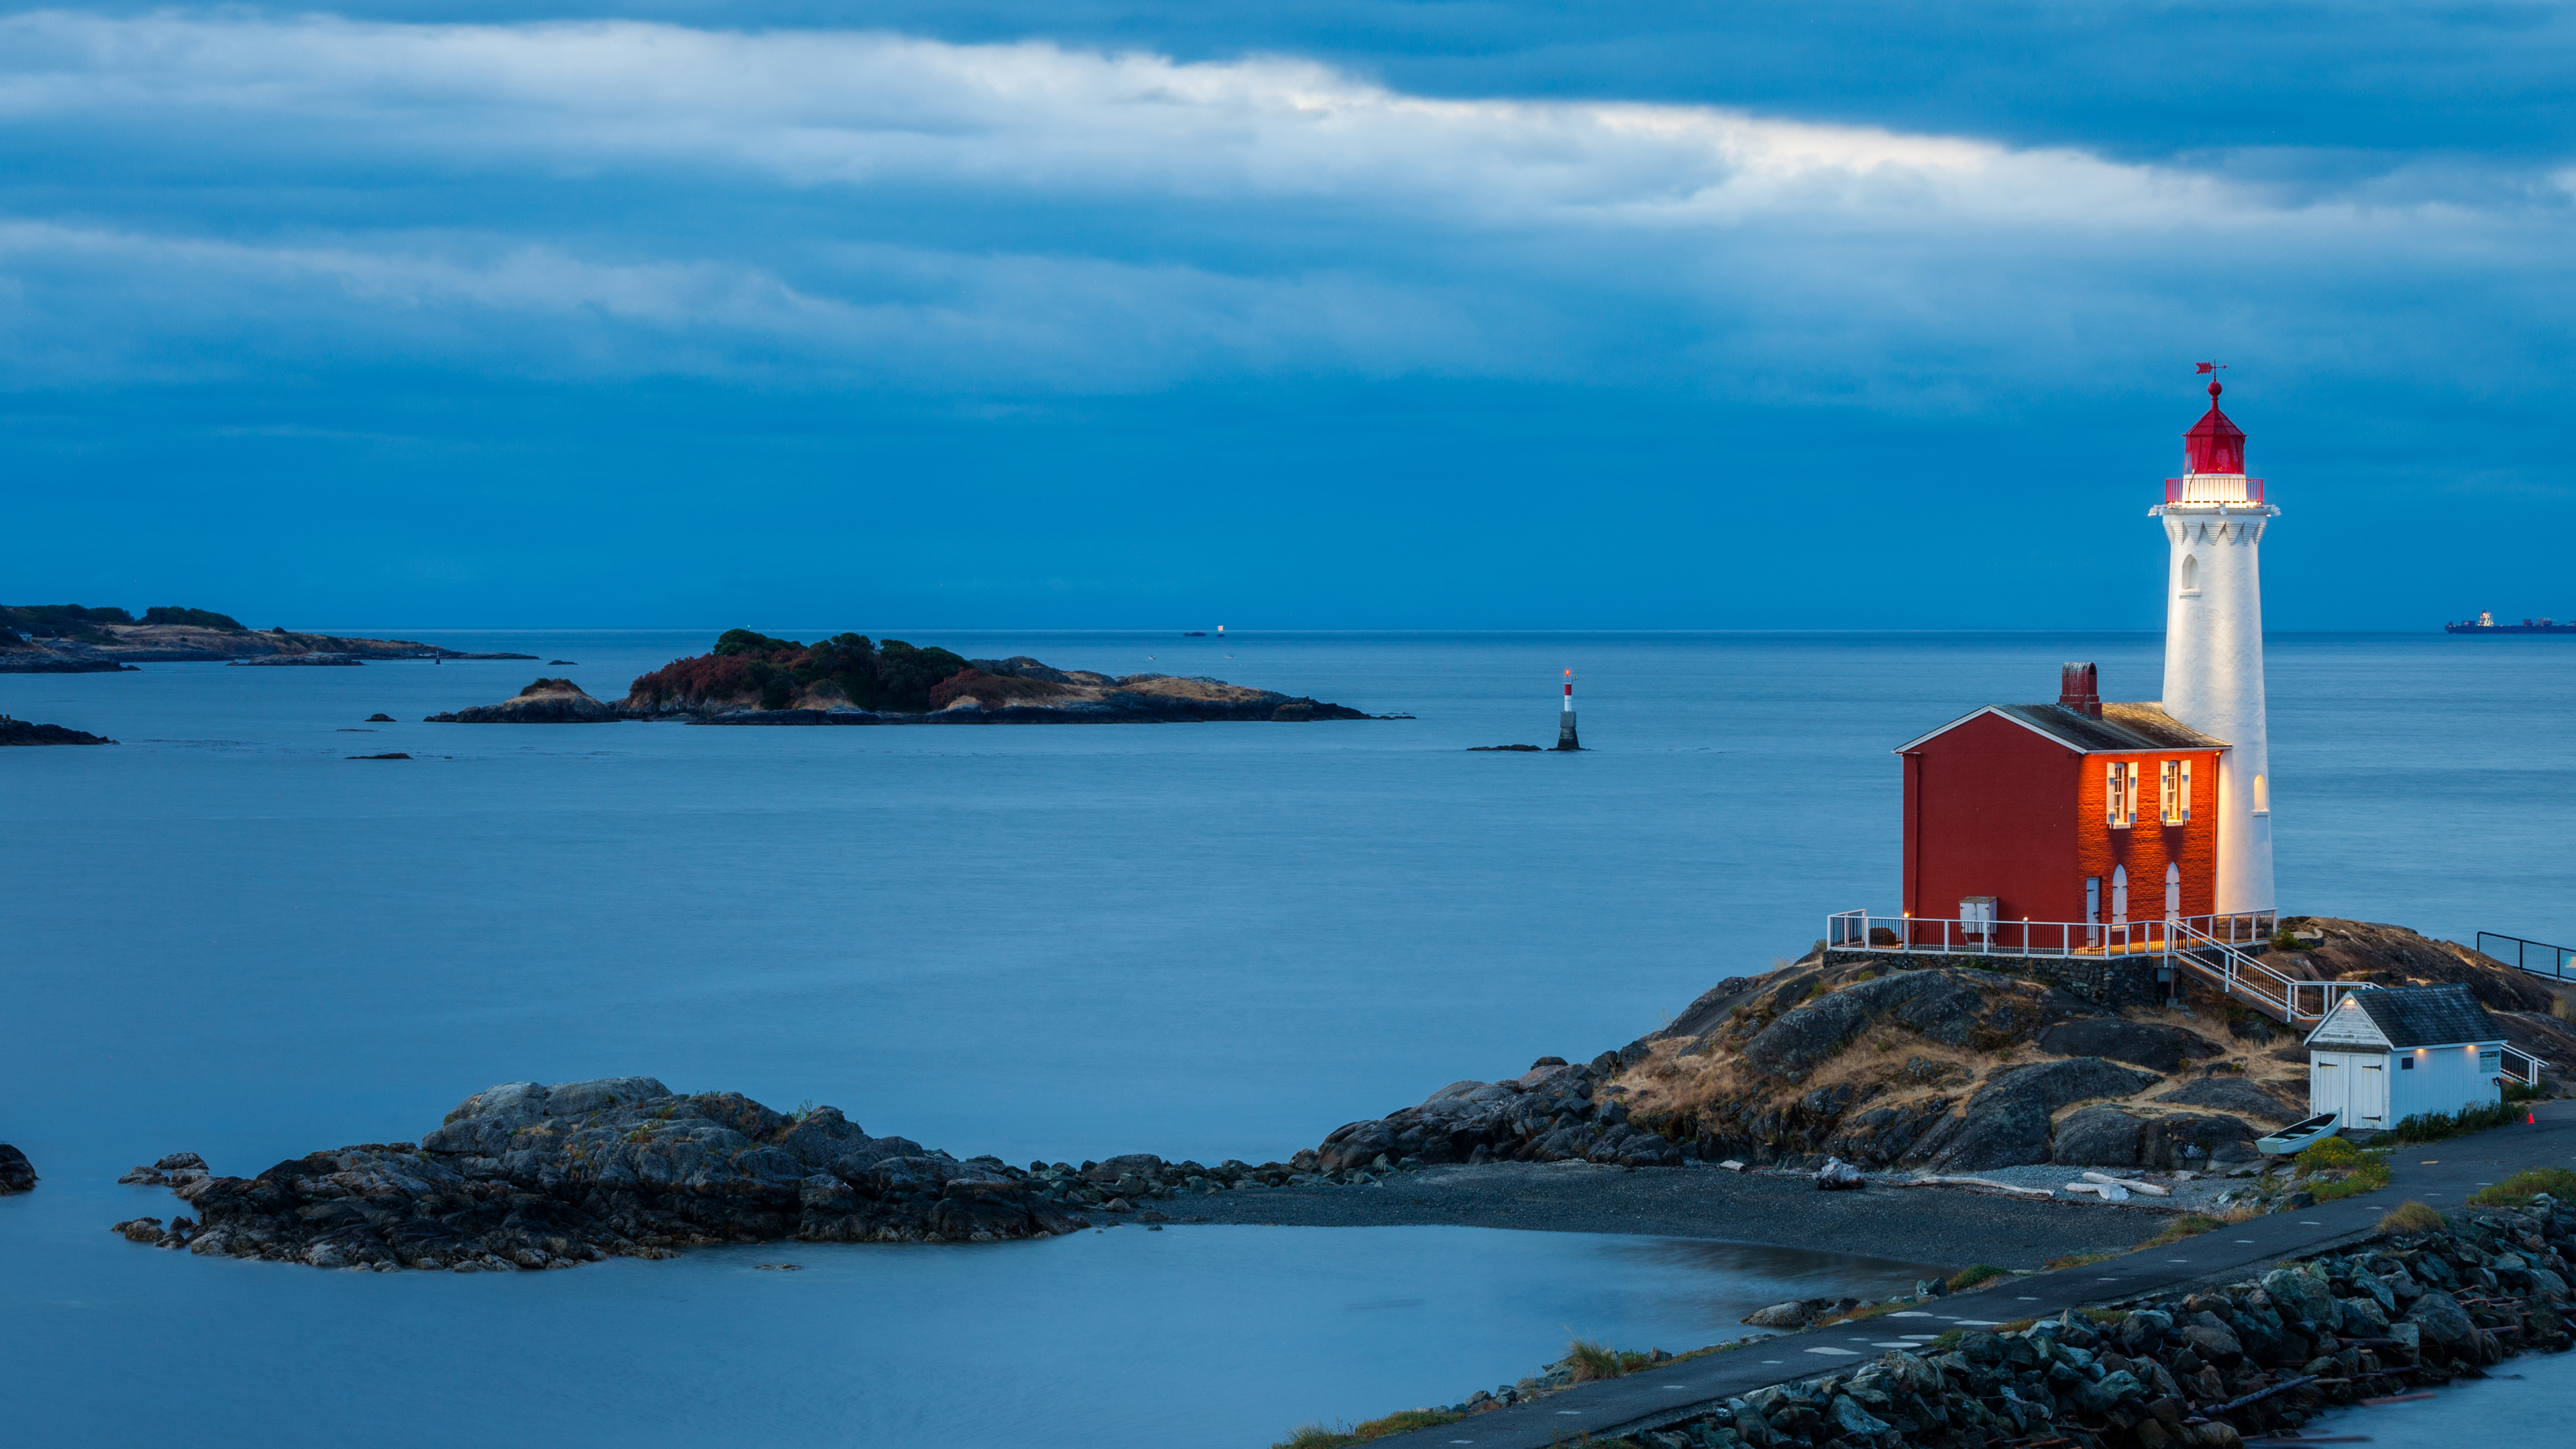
x=2485 y=623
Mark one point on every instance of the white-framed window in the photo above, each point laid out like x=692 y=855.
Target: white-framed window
x=2173 y=889
x=2119 y=895
x=2120 y=794
x=2174 y=792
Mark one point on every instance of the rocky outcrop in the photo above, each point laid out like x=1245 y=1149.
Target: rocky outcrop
x=23 y=732
x=546 y=701
x=2328 y=948
x=526 y=1176
x=2007 y=1122
x=17 y=1174
x=1551 y=1113
x=2236 y=1094
x=2142 y=1044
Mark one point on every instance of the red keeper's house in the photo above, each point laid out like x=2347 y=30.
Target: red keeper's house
x=2086 y=816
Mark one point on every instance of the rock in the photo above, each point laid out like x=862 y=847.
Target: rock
x=2303 y=1296
x=2097 y=1137
x=17 y=1174
x=2139 y=1043
x=172 y=1162
x=2441 y=1319
x=145 y=1177
x=1781 y=1315
x=2236 y=1094
x=1806 y=1035
x=380 y=719
x=2213 y=1341
x=22 y=732
x=2364 y=1318
x=527 y=1176
x=2164 y=1143
x=2006 y=1124
x=1853 y=1420
x=138 y=1230
x=546 y=701
x=1837 y=1176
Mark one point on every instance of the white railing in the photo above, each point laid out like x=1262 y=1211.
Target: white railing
x=2526 y=1070
x=2240 y=976
x=1932 y=935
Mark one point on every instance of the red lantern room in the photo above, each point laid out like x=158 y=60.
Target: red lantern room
x=2214 y=445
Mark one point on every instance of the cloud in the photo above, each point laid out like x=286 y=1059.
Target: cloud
x=619 y=198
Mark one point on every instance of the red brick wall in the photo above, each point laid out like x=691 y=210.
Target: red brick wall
x=2147 y=846
x=1992 y=809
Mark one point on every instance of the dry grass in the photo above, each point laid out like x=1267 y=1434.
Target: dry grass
x=2078 y=1260
x=1596 y=1361
x=2413 y=1217
x=1967 y=1278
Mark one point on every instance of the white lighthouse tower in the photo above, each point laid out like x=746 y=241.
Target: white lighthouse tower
x=2214 y=517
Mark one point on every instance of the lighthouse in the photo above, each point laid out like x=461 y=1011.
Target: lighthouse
x=2213 y=519
x=1565 y=739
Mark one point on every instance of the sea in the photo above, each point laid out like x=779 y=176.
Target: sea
x=228 y=934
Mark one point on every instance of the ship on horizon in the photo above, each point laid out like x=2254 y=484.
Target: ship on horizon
x=2485 y=623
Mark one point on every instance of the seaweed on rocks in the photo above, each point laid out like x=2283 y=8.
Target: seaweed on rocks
x=527 y=1176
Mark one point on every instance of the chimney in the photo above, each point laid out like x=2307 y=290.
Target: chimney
x=2078 y=691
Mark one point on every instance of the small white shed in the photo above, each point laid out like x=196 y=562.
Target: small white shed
x=2383 y=1056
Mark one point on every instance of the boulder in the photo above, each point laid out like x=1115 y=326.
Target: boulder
x=2439 y=1317
x=1781 y=1315
x=17 y=1174
x=23 y=732
x=2163 y=1142
x=2006 y=1124
x=2301 y=1295
x=2097 y=1137
x=1838 y=1176
x=2139 y=1043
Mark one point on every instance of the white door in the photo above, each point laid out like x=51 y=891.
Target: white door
x=2326 y=1071
x=2369 y=1090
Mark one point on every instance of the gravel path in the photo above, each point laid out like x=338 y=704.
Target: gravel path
x=1916 y=1224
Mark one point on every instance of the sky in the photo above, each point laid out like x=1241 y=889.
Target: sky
x=1330 y=315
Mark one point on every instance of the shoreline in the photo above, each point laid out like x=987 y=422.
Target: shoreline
x=1947 y=1226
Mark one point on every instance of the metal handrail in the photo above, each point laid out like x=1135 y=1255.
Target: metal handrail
x=2559 y=956
x=2529 y=1075
x=2237 y=974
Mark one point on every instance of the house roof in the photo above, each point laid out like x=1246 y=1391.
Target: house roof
x=2122 y=729
x=2429 y=1016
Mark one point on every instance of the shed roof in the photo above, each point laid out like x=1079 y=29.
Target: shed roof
x=2425 y=1016
x=2122 y=729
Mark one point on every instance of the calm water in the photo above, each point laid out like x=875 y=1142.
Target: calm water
x=1210 y=940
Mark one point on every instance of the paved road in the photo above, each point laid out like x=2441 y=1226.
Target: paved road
x=2443 y=1174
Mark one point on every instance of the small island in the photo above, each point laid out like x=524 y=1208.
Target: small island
x=850 y=679
x=87 y=639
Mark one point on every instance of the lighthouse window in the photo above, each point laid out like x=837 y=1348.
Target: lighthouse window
x=2175 y=795
x=2120 y=782
x=2190 y=574
x=2119 y=895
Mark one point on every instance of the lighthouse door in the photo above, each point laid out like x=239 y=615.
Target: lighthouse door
x=2173 y=890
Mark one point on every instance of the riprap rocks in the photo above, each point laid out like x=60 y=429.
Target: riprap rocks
x=531 y=1176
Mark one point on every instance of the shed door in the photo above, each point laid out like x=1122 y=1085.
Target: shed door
x=2369 y=1090
x=2326 y=1071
